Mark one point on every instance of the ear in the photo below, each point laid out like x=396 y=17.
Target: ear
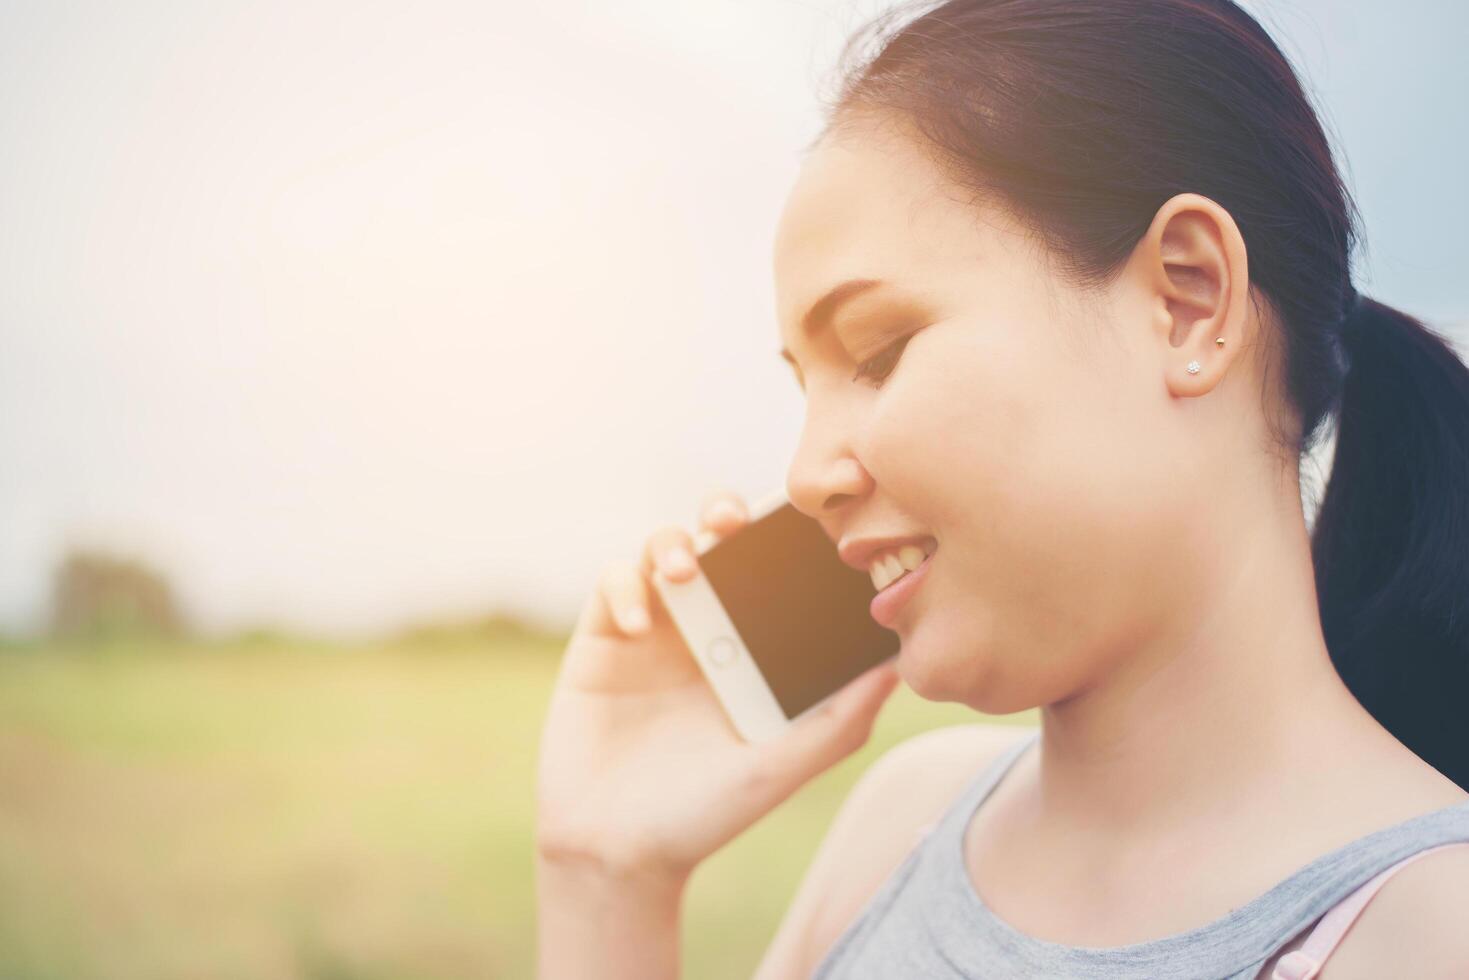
x=1193 y=265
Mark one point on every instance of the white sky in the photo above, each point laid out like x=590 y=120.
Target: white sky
x=347 y=314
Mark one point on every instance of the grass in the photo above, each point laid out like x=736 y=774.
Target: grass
x=281 y=809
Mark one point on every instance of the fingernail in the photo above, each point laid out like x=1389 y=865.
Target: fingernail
x=723 y=510
x=679 y=560
x=635 y=619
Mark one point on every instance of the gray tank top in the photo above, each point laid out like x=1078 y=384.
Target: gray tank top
x=927 y=920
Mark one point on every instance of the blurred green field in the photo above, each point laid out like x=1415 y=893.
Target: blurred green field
x=284 y=809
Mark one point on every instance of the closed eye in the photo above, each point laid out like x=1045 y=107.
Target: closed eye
x=877 y=368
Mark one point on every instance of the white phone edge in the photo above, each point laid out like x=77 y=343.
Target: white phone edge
x=716 y=646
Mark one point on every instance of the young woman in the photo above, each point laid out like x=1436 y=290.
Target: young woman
x=1066 y=286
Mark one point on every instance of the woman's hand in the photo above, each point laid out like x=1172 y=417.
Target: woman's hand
x=640 y=770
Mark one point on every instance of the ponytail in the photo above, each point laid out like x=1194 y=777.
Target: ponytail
x=1390 y=543
x=1083 y=118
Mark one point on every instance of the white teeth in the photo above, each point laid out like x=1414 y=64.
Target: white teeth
x=910 y=556
x=892 y=566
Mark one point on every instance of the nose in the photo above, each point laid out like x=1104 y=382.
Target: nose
x=824 y=475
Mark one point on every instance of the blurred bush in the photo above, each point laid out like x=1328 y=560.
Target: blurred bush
x=260 y=813
x=103 y=597
x=500 y=628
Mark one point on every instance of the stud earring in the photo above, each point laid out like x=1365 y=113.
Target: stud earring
x=1193 y=367
x=1219 y=341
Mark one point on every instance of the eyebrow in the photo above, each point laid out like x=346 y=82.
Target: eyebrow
x=822 y=312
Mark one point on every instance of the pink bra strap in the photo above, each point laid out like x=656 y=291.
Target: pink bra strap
x=1306 y=962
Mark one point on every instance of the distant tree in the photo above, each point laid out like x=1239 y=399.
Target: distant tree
x=98 y=596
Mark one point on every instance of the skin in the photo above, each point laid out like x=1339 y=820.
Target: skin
x=1117 y=544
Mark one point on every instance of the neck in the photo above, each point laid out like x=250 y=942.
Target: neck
x=1233 y=691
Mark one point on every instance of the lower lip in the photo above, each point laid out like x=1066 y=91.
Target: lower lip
x=889 y=602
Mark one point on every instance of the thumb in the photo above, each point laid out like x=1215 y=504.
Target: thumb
x=841 y=726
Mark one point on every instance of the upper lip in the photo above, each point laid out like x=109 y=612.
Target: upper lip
x=858 y=552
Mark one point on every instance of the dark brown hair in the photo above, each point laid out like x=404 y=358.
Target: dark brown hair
x=1082 y=117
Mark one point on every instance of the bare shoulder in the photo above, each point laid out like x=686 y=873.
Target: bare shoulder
x=1414 y=926
x=879 y=823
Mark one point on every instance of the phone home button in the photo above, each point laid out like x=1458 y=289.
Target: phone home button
x=722 y=651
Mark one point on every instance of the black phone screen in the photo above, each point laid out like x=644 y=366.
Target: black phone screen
x=800 y=611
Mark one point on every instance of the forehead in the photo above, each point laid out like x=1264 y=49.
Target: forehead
x=869 y=204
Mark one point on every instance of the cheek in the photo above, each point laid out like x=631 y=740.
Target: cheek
x=954 y=438
x=1044 y=515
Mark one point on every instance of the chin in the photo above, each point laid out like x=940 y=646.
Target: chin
x=930 y=677
x=959 y=673
x=937 y=656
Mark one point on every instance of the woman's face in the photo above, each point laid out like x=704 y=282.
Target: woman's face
x=1024 y=426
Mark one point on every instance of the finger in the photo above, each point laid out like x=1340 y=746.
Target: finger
x=843 y=724
x=827 y=735
x=596 y=615
x=625 y=591
x=671 y=551
x=723 y=513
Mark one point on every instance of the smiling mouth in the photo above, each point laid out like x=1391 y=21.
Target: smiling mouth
x=889 y=602
x=894 y=566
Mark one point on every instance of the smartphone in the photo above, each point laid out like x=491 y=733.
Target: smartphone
x=775 y=619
